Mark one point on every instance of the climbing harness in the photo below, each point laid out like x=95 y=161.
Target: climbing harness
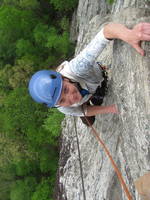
x=111 y=160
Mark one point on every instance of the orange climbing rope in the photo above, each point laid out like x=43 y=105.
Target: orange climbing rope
x=111 y=160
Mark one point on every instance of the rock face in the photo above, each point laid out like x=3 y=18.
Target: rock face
x=127 y=135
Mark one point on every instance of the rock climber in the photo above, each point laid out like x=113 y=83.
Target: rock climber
x=78 y=86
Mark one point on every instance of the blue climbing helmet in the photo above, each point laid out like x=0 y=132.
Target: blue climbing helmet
x=45 y=87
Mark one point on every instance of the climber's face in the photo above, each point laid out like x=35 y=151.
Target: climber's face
x=69 y=95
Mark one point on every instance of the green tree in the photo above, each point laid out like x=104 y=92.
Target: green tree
x=64 y=5
x=24 y=47
x=14 y=24
x=43 y=191
x=34 y=35
x=56 y=45
x=24 y=33
x=25 y=4
x=40 y=33
x=9 y=2
x=23 y=167
x=21 y=72
x=15 y=76
x=5 y=74
x=20 y=111
x=23 y=189
x=11 y=150
x=48 y=158
x=5 y=184
x=24 y=118
x=64 y=24
x=51 y=125
x=29 y=4
x=59 y=44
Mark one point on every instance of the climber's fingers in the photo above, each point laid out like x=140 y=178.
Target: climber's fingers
x=139 y=49
x=146 y=37
x=114 y=109
x=146 y=28
x=142 y=31
x=139 y=33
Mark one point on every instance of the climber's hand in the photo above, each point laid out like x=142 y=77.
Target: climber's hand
x=134 y=36
x=95 y=110
x=140 y=32
x=113 y=109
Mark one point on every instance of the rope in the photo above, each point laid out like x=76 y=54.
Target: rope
x=111 y=160
x=81 y=170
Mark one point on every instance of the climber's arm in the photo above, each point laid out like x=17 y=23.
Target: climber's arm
x=95 y=110
x=140 y=32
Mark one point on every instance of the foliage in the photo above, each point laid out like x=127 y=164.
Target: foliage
x=23 y=189
x=64 y=24
x=22 y=34
x=21 y=72
x=14 y=150
x=34 y=35
x=43 y=191
x=29 y=4
x=5 y=86
x=12 y=77
x=51 y=125
x=64 y=5
x=18 y=106
x=58 y=45
x=48 y=160
x=26 y=4
x=110 y=1
x=14 y=24
x=20 y=111
x=26 y=167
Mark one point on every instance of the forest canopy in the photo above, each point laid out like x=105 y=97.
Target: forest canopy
x=34 y=35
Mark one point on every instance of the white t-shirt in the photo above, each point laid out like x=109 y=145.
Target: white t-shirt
x=84 y=70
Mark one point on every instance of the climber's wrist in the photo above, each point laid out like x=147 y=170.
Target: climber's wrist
x=116 y=31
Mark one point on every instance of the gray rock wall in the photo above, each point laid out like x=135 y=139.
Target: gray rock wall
x=126 y=135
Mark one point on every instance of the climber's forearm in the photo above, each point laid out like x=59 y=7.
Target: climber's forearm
x=116 y=31
x=95 y=110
